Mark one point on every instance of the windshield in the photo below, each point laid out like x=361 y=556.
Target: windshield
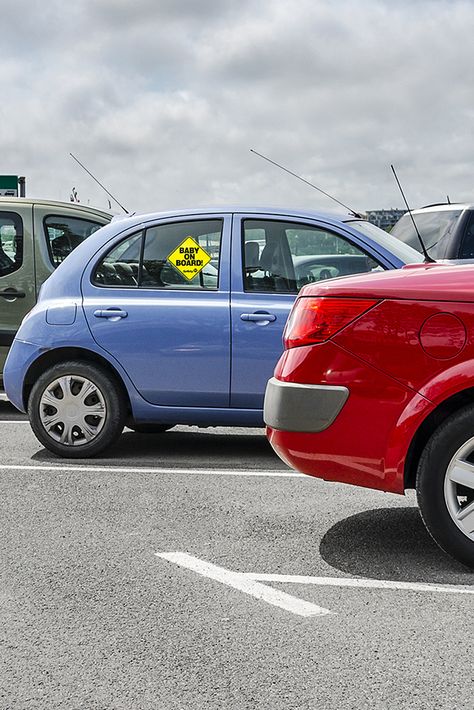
x=405 y=252
x=434 y=227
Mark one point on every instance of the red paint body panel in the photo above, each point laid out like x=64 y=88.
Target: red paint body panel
x=388 y=337
x=400 y=360
x=418 y=282
x=367 y=443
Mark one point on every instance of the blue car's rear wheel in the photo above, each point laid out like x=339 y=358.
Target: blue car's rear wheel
x=76 y=409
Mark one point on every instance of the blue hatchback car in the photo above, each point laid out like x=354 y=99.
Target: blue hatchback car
x=175 y=318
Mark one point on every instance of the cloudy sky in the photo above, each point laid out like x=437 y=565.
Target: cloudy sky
x=163 y=99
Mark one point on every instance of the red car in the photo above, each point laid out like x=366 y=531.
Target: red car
x=376 y=388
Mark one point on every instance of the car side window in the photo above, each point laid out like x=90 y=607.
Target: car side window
x=64 y=233
x=284 y=256
x=179 y=255
x=11 y=242
x=182 y=255
x=467 y=245
x=121 y=266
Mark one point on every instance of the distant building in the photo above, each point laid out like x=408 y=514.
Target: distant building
x=385 y=219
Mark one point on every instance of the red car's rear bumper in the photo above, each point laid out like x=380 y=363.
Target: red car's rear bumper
x=367 y=442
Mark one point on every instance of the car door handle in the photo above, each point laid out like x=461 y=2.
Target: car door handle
x=110 y=313
x=12 y=293
x=258 y=317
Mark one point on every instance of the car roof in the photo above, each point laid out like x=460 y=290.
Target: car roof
x=444 y=207
x=12 y=201
x=244 y=209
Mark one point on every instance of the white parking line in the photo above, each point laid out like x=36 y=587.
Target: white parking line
x=244 y=584
x=142 y=469
x=14 y=421
x=360 y=583
x=251 y=583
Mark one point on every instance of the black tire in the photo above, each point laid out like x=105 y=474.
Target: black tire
x=108 y=397
x=150 y=428
x=437 y=493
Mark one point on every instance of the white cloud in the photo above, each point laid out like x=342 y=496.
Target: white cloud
x=163 y=99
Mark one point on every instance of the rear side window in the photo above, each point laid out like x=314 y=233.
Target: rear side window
x=121 y=266
x=64 y=234
x=11 y=242
x=434 y=226
x=179 y=255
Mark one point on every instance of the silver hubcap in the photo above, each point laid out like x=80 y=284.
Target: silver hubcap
x=72 y=410
x=459 y=489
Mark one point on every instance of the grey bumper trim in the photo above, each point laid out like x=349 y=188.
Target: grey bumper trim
x=307 y=408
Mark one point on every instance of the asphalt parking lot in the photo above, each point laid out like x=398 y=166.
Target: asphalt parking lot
x=194 y=570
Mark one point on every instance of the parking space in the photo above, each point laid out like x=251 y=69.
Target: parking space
x=192 y=569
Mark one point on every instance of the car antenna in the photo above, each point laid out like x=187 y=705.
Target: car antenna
x=99 y=183
x=448 y=200
x=356 y=214
x=428 y=258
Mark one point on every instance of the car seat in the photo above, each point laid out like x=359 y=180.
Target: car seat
x=125 y=274
x=279 y=276
x=251 y=264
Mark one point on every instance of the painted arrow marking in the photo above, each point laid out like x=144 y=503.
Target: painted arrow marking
x=252 y=584
x=240 y=581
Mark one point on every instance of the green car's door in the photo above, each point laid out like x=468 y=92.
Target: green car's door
x=17 y=282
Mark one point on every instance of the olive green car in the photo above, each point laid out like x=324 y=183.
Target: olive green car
x=35 y=237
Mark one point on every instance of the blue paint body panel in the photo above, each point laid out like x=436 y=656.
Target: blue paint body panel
x=189 y=356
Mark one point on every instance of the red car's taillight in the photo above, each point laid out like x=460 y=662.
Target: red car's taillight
x=314 y=320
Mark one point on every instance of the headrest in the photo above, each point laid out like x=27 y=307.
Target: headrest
x=269 y=257
x=252 y=251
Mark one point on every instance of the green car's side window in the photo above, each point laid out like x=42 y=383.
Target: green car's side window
x=11 y=242
x=65 y=233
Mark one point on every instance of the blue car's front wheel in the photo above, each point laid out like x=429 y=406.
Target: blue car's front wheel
x=76 y=409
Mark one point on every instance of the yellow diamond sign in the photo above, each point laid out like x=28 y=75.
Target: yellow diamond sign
x=189 y=258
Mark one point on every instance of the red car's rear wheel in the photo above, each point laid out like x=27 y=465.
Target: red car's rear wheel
x=445 y=485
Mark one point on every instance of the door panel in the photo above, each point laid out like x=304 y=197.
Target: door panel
x=273 y=257
x=174 y=340
x=256 y=344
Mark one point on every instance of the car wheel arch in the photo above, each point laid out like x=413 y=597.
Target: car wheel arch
x=428 y=426
x=58 y=355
